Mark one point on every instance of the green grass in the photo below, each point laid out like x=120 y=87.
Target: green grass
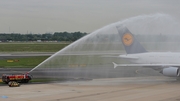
x=46 y=80
x=27 y=62
x=30 y=62
x=31 y=47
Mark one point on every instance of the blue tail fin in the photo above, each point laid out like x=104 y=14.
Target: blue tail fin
x=130 y=43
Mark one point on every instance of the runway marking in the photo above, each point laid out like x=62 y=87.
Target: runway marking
x=137 y=72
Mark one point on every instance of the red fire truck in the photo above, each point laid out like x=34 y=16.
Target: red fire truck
x=22 y=78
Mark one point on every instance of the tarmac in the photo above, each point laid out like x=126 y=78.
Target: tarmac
x=155 y=88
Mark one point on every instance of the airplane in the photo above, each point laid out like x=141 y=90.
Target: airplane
x=167 y=63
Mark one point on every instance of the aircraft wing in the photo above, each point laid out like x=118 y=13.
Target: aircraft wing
x=145 y=65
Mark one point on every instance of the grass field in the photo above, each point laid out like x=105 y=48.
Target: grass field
x=28 y=62
x=32 y=47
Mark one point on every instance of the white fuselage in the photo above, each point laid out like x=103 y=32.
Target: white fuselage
x=153 y=58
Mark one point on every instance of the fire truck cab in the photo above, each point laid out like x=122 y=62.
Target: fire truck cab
x=22 y=78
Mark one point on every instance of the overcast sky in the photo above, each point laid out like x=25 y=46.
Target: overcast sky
x=41 y=16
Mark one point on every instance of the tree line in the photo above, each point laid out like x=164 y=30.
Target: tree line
x=73 y=36
x=57 y=36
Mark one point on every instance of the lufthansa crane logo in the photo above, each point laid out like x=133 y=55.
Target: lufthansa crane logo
x=127 y=39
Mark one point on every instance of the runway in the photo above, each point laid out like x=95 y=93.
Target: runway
x=93 y=72
x=107 y=84
x=157 y=88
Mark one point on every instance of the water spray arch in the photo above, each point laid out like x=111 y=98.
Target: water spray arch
x=85 y=57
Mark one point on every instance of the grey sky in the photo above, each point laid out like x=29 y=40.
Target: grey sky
x=40 y=16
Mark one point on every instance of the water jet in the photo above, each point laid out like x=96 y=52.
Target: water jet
x=87 y=57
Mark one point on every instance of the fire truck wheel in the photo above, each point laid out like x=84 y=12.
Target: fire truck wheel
x=7 y=81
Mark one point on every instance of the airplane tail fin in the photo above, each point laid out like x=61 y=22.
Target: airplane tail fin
x=131 y=44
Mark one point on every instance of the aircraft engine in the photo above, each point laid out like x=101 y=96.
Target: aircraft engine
x=170 y=71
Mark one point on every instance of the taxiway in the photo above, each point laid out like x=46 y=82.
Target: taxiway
x=156 y=88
